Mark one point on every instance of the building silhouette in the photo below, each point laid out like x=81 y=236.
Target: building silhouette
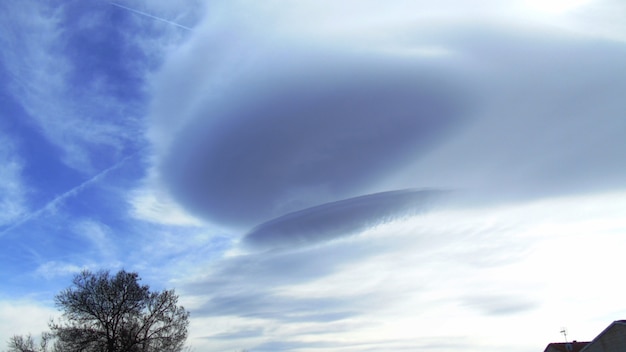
x=611 y=339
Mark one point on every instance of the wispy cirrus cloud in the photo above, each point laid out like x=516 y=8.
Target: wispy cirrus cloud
x=401 y=283
x=53 y=269
x=152 y=203
x=83 y=89
x=13 y=203
x=40 y=74
x=99 y=236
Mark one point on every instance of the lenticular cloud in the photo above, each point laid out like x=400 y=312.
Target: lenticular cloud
x=341 y=218
x=260 y=129
x=313 y=129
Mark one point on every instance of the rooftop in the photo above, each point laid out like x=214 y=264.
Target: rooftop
x=573 y=346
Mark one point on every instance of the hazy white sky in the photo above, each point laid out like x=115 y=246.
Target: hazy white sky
x=315 y=176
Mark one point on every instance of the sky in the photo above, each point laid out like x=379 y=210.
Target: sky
x=320 y=175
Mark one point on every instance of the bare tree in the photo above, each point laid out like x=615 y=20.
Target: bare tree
x=117 y=314
x=19 y=343
x=105 y=313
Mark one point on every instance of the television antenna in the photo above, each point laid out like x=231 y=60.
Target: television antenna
x=564 y=332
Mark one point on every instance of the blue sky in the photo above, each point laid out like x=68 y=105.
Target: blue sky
x=315 y=176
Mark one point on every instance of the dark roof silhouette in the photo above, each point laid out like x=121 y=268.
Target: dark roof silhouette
x=611 y=339
x=573 y=346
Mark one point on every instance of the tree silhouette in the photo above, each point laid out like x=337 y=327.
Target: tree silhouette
x=105 y=313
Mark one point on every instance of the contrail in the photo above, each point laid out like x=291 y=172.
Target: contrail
x=150 y=16
x=60 y=199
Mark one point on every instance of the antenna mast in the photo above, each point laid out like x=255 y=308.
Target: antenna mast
x=564 y=332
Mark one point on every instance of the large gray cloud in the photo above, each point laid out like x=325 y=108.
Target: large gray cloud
x=320 y=128
x=551 y=118
x=510 y=114
x=296 y=139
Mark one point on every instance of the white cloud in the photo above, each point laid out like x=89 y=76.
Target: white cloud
x=555 y=6
x=152 y=203
x=529 y=95
x=376 y=22
x=21 y=317
x=99 y=236
x=12 y=189
x=587 y=18
x=179 y=251
x=465 y=278
x=53 y=269
x=474 y=277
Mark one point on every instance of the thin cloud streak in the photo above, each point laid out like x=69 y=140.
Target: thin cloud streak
x=54 y=203
x=340 y=218
x=151 y=16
